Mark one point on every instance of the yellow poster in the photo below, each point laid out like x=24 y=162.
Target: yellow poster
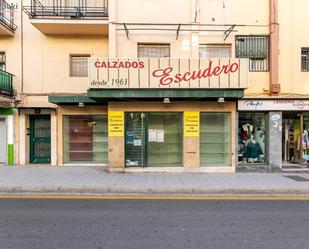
x=192 y=124
x=116 y=124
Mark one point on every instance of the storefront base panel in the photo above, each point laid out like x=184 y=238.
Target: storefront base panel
x=174 y=170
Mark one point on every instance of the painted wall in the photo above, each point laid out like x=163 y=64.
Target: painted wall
x=293 y=18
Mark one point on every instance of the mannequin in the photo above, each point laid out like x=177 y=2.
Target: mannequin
x=248 y=129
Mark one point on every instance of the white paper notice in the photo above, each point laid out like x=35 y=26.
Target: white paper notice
x=160 y=136
x=152 y=135
x=137 y=142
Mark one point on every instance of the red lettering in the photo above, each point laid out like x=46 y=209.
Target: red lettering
x=177 y=78
x=141 y=64
x=97 y=64
x=234 y=67
x=164 y=74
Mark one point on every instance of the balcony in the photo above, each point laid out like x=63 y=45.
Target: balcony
x=7 y=26
x=74 y=17
x=6 y=83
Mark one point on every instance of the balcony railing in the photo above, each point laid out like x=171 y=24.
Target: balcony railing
x=87 y=9
x=6 y=83
x=7 y=15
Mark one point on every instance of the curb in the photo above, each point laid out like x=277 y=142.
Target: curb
x=151 y=192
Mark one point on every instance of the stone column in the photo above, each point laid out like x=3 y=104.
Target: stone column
x=274 y=150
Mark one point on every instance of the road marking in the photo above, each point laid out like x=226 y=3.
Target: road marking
x=141 y=197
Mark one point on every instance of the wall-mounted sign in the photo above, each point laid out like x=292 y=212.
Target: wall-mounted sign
x=274 y=105
x=115 y=124
x=168 y=73
x=191 y=124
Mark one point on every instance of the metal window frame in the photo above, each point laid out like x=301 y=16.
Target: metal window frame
x=266 y=36
x=70 y=64
x=306 y=68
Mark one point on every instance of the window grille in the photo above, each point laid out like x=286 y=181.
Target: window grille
x=153 y=50
x=215 y=51
x=305 y=59
x=79 y=65
x=256 y=48
x=2 y=61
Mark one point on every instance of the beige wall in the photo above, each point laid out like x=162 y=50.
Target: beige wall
x=293 y=19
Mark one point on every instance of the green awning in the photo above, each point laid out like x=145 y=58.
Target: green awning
x=165 y=93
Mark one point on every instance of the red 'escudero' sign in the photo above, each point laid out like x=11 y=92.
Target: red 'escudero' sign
x=168 y=73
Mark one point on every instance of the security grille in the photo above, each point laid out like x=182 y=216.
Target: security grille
x=305 y=59
x=214 y=51
x=2 y=61
x=256 y=48
x=79 y=65
x=153 y=50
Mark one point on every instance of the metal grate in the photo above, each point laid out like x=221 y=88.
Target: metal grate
x=215 y=51
x=7 y=15
x=305 y=59
x=67 y=8
x=153 y=50
x=256 y=48
x=79 y=65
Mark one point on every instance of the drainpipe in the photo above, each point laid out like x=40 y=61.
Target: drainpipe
x=274 y=86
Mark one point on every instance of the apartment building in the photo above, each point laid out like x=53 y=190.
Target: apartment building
x=157 y=85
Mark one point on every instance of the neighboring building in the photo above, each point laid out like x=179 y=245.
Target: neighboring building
x=202 y=86
x=7 y=29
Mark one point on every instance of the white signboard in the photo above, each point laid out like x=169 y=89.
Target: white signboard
x=274 y=105
x=168 y=73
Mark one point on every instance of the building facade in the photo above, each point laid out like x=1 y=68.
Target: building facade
x=140 y=86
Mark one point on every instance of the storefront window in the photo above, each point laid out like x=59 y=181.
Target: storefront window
x=167 y=149
x=251 y=138
x=215 y=139
x=305 y=142
x=153 y=139
x=85 y=139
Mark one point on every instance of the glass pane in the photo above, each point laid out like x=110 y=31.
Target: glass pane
x=165 y=136
x=212 y=51
x=135 y=139
x=153 y=51
x=85 y=139
x=251 y=138
x=215 y=139
x=79 y=66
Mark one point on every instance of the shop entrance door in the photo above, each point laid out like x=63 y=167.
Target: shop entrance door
x=39 y=139
x=2 y=141
x=153 y=139
x=135 y=138
x=291 y=142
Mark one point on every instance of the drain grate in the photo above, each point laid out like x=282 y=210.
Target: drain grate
x=298 y=178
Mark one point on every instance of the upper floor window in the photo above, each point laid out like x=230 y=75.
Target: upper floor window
x=256 y=48
x=79 y=65
x=215 y=51
x=2 y=61
x=153 y=50
x=305 y=59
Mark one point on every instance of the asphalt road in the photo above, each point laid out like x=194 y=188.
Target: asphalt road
x=113 y=224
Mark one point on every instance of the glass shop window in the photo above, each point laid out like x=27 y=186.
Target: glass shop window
x=215 y=139
x=251 y=138
x=85 y=139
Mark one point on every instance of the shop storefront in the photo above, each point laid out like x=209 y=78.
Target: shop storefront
x=278 y=128
x=154 y=115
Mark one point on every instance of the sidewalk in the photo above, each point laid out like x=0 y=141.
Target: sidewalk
x=68 y=180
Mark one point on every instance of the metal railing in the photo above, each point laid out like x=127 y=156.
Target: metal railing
x=67 y=9
x=6 y=83
x=7 y=15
